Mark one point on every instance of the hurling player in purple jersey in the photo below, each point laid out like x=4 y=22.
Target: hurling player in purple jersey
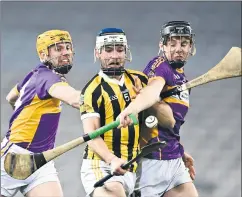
x=37 y=103
x=163 y=172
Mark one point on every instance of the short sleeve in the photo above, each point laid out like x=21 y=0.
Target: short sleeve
x=21 y=83
x=91 y=100
x=158 y=68
x=142 y=77
x=45 y=81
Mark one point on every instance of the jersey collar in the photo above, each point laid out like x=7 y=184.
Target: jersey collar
x=110 y=80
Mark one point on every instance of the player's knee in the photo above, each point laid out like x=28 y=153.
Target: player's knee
x=192 y=190
x=183 y=190
x=116 y=188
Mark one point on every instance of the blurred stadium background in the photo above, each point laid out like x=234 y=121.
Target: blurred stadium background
x=212 y=133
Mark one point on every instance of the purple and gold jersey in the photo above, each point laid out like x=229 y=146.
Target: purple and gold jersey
x=159 y=68
x=34 y=122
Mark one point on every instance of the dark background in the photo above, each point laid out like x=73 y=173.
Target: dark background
x=212 y=133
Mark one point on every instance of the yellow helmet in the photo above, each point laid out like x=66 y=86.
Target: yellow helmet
x=49 y=38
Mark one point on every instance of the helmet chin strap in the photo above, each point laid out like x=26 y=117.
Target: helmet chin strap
x=113 y=72
x=177 y=64
x=174 y=64
x=64 y=69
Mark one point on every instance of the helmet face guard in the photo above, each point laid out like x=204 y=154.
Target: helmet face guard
x=178 y=29
x=112 y=38
x=52 y=38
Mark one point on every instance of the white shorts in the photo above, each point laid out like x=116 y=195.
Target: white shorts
x=155 y=177
x=93 y=170
x=10 y=186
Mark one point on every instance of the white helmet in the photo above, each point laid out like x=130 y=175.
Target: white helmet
x=112 y=36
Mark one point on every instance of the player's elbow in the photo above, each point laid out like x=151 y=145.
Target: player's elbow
x=75 y=105
x=74 y=100
x=8 y=98
x=67 y=94
x=11 y=98
x=171 y=123
x=72 y=103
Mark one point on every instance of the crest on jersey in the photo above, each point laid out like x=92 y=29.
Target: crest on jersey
x=151 y=74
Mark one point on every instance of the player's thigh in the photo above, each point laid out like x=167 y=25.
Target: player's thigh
x=183 y=190
x=45 y=182
x=93 y=170
x=9 y=185
x=112 y=189
x=153 y=177
x=48 y=189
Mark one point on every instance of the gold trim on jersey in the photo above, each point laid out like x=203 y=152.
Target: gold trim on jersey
x=57 y=84
x=7 y=145
x=180 y=70
x=157 y=77
x=157 y=62
x=24 y=127
x=175 y=100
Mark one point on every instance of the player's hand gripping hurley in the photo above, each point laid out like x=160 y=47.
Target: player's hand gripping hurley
x=21 y=166
x=144 y=151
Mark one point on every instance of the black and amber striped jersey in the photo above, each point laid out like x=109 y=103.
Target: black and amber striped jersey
x=105 y=98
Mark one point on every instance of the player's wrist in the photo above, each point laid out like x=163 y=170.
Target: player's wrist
x=131 y=109
x=110 y=158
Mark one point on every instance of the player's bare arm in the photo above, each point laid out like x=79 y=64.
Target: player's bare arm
x=142 y=101
x=189 y=163
x=12 y=96
x=67 y=94
x=163 y=112
x=99 y=146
